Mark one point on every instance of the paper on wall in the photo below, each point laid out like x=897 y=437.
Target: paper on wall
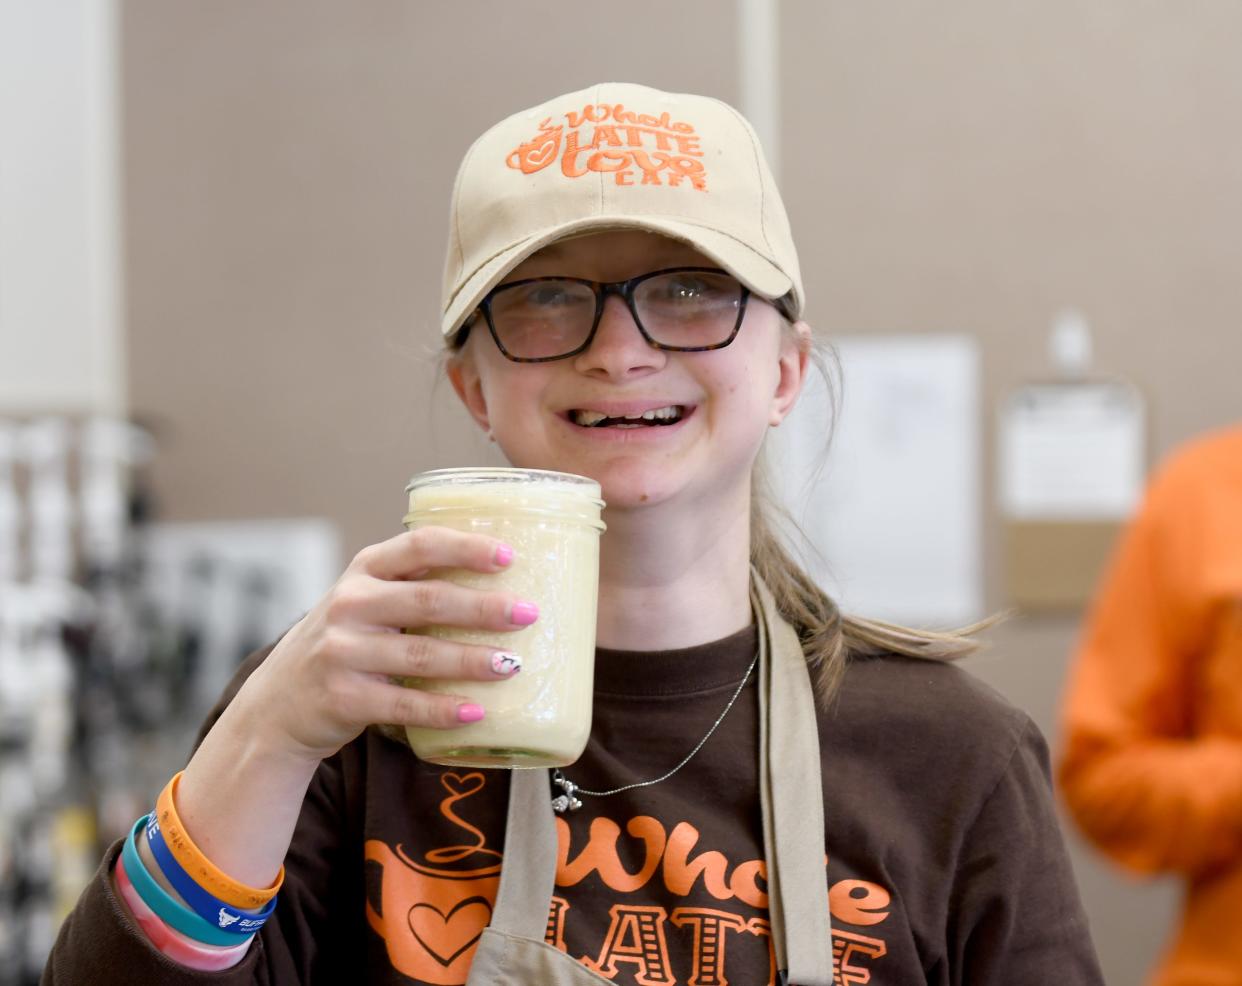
x=1072 y=451
x=894 y=514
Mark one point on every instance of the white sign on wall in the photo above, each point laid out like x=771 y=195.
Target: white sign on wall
x=894 y=513
x=61 y=335
x=1072 y=451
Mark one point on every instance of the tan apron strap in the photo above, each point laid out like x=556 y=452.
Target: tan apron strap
x=791 y=795
x=791 y=798
x=512 y=950
x=528 y=872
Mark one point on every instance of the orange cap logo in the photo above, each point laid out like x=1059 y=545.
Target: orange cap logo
x=609 y=139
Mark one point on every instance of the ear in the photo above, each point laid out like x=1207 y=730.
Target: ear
x=792 y=362
x=464 y=376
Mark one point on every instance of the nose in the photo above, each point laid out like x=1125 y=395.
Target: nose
x=619 y=349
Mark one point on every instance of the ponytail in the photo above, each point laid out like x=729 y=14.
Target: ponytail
x=829 y=638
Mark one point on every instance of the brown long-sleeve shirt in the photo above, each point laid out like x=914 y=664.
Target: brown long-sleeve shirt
x=943 y=856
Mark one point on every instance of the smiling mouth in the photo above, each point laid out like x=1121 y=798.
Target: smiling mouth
x=655 y=418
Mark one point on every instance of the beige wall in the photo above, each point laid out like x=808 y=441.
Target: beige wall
x=967 y=167
x=978 y=166
x=287 y=173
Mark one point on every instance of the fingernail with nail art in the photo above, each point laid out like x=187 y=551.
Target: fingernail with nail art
x=504 y=663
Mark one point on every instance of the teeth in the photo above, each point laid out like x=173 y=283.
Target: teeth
x=590 y=419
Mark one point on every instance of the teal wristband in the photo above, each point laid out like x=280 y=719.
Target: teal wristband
x=167 y=908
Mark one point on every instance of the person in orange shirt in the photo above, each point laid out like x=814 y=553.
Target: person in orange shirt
x=1151 y=767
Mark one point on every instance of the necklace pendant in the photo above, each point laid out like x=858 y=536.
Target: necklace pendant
x=565 y=802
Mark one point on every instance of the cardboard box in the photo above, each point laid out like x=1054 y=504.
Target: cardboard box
x=1055 y=565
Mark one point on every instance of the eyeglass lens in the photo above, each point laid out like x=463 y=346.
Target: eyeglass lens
x=544 y=318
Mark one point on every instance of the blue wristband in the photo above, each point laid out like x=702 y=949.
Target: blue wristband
x=169 y=910
x=211 y=909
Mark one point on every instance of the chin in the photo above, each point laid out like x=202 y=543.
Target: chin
x=632 y=489
x=626 y=483
x=630 y=499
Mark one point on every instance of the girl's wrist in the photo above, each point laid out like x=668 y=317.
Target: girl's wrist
x=240 y=796
x=206 y=888
x=242 y=791
x=279 y=726
x=255 y=734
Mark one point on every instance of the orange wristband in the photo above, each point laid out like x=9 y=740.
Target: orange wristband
x=192 y=860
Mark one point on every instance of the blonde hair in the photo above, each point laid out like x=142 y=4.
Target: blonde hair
x=829 y=637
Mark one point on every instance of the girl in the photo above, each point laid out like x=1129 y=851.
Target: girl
x=772 y=792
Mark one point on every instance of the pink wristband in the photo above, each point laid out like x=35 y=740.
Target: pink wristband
x=176 y=946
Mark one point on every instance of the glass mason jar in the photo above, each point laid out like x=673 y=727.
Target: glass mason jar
x=540 y=717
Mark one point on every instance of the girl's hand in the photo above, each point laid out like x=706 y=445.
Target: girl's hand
x=329 y=677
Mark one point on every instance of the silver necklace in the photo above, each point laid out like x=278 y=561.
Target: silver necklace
x=568 y=801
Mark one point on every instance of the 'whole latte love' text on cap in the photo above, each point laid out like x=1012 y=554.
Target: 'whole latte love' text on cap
x=617 y=156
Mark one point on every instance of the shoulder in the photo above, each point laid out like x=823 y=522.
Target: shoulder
x=930 y=728
x=1205 y=459
x=1192 y=491
x=937 y=699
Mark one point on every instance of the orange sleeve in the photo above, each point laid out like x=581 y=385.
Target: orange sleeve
x=1135 y=773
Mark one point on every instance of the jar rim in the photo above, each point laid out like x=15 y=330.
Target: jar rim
x=494 y=475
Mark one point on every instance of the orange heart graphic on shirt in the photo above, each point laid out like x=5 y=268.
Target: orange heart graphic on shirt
x=462 y=785
x=446 y=936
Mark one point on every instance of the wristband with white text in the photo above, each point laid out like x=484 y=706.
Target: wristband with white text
x=210 y=908
x=169 y=910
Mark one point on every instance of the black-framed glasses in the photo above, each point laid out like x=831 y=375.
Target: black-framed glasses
x=682 y=309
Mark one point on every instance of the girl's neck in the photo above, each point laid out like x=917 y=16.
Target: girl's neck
x=670 y=584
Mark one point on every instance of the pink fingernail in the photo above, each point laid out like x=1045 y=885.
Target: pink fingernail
x=505 y=663
x=503 y=555
x=469 y=712
x=523 y=614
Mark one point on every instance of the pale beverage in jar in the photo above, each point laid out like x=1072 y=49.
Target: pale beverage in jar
x=540 y=717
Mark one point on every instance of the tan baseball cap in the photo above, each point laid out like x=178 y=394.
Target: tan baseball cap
x=617 y=156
